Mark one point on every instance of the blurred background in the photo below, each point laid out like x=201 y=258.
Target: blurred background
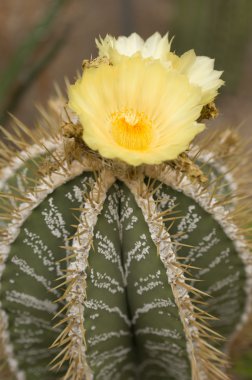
x=42 y=42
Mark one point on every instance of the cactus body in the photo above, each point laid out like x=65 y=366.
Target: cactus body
x=95 y=266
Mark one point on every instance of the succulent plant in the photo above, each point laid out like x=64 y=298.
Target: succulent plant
x=124 y=255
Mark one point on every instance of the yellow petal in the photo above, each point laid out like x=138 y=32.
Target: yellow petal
x=137 y=110
x=199 y=70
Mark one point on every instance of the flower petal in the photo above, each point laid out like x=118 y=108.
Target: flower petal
x=199 y=70
x=164 y=97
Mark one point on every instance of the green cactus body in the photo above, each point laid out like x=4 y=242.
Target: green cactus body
x=95 y=263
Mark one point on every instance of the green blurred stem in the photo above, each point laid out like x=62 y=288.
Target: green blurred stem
x=9 y=76
x=33 y=74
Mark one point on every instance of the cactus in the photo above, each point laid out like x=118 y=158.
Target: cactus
x=118 y=271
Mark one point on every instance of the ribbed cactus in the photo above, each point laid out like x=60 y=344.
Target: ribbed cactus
x=118 y=271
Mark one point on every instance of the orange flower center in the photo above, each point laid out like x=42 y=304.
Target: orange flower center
x=132 y=129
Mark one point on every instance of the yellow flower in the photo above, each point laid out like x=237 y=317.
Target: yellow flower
x=199 y=69
x=136 y=111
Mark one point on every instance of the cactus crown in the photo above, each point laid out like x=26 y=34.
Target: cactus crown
x=111 y=249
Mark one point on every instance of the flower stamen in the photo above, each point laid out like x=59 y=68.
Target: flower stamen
x=132 y=130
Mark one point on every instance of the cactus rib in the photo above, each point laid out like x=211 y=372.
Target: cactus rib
x=29 y=202
x=221 y=215
x=73 y=336
x=204 y=358
x=8 y=365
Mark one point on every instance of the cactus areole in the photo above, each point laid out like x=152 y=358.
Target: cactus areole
x=124 y=244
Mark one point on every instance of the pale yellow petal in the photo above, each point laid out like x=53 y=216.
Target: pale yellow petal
x=199 y=70
x=170 y=106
